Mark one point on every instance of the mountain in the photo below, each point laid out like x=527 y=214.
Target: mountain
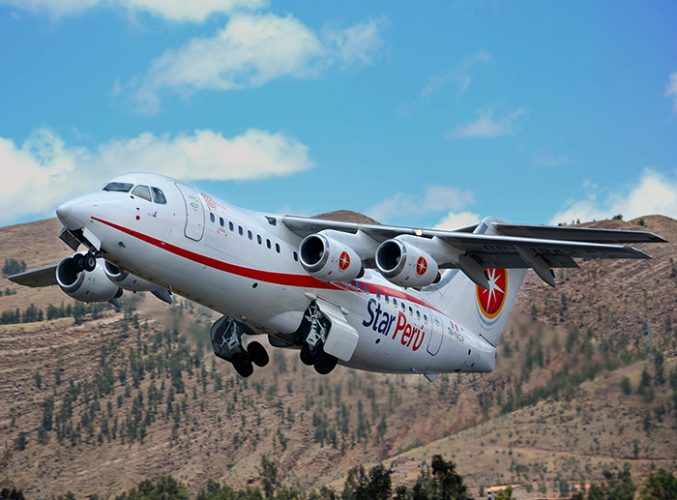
x=97 y=400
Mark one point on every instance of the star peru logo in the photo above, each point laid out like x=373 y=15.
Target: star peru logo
x=344 y=261
x=491 y=300
x=421 y=266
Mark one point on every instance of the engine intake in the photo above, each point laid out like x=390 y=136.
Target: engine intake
x=406 y=265
x=328 y=259
x=93 y=286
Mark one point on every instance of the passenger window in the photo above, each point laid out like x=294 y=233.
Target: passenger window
x=258 y=238
x=418 y=314
x=268 y=243
x=158 y=196
x=142 y=192
x=277 y=247
x=211 y=217
x=231 y=227
x=118 y=187
x=249 y=235
x=221 y=221
x=240 y=230
x=411 y=311
x=296 y=256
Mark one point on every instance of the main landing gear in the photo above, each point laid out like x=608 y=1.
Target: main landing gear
x=316 y=328
x=226 y=336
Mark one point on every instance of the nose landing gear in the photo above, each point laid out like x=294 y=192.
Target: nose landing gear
x=85 y=262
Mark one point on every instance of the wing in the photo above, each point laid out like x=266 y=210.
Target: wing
x=39 y=277
x=514 y=246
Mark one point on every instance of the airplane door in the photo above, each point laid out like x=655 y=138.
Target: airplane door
x=435 y=337
x=195 y=213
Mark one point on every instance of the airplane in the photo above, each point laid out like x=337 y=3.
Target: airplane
x=374 y=297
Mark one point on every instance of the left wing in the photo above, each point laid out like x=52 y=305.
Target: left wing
x=39 y=277
x=552 y=247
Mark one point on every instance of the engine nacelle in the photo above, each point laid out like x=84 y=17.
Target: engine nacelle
x=127 y=281
x=329 y=260
x=406 y=265
x=86 y=286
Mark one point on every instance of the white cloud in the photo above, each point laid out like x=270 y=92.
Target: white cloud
x=489 y=126
x=671 y=90
x=457 y=220
x=434 y=199
x=653 y=194
x=252 y=50
x=172 y=10
x=43 y=171
x=461 y=76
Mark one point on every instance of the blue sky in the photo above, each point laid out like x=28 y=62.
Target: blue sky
x=435 y=114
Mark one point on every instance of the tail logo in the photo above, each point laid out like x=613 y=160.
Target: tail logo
x=421 y=266
x=344 y=261
x=491 y=300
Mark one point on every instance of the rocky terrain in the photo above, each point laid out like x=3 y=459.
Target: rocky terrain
x=96 y=400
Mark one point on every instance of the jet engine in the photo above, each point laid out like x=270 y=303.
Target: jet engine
x=127 y=281
x=406 y=265
x=83 y=285
x=329 y=260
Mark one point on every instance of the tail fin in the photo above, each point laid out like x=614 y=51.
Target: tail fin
x=483 y=311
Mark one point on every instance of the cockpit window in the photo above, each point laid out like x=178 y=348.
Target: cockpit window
x=159 y=196
x=118 y=187
x=142 y=192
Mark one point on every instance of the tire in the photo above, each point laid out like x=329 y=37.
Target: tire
x=325 y=363
x=89 y=262
x=307 y=356
x=243 y=366
x=258 y=354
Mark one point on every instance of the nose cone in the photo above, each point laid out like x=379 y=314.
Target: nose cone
x=74 y=214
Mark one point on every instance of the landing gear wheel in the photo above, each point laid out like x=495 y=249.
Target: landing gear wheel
x=307 y=355
x=89 y=262
x=325 y=363
x=243 y=366
x=258 y=354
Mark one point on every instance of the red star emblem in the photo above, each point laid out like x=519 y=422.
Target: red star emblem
x=421 y=266
x=491 y=299
x=344 y=261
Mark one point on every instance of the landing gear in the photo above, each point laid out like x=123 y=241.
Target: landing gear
x=84 y=262
x=312 y=346
x=258 y=354
x=226 y=336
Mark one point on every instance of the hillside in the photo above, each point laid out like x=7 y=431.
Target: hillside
x=106 y=400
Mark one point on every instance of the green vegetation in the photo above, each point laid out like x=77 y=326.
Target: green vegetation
x=13 y=266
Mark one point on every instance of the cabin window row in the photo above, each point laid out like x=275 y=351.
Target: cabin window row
x=250 y=235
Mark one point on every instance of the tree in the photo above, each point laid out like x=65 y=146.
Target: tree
x=505 y=494
x=661 y=485
x=269 y=479
x=21 y=441
x=626 y=386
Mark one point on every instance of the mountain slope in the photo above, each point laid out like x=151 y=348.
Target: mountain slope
x=106 y=401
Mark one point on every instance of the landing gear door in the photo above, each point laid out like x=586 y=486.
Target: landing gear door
x=342 y=338
x=195 y=213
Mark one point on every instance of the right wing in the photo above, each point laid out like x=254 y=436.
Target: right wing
x=39 y=277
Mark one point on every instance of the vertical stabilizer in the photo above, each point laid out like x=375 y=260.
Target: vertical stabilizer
x=484 y=311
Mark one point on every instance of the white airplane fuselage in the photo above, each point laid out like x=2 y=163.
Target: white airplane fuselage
x=245 y=265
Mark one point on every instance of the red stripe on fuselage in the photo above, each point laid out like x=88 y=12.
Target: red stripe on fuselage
x=297 y=280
